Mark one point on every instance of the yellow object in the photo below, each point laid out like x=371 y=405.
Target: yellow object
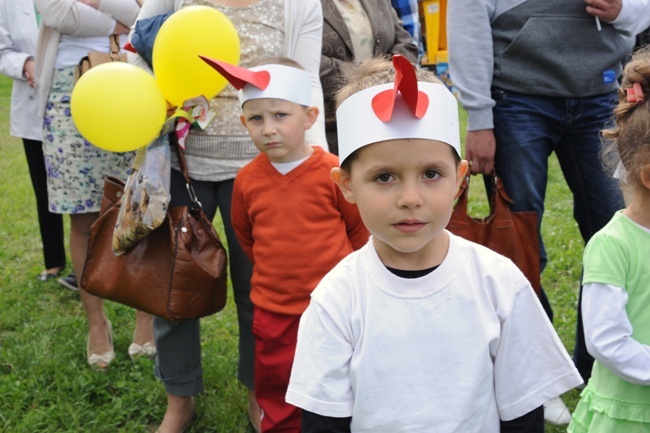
x=434 y=22
x=431 y=11
x=118 y=107
x=191 y=31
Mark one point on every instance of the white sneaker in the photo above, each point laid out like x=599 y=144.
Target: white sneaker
x=556 y=412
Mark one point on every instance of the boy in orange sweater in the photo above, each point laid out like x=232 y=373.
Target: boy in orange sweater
x=290 y=218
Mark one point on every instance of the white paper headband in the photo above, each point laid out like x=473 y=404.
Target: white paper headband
x=404 y=109
x=266 y=81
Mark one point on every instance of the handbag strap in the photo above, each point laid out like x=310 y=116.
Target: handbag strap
x=499 y=204
x=114 y=50
x=459 y=215
x=196 y=204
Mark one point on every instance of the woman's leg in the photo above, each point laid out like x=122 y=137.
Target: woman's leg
x=178 y=344
x=241 y=270
x=99 y=333
x=50 y=224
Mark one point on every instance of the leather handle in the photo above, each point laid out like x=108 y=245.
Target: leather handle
x=499 y=204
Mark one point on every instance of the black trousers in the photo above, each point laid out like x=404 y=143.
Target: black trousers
x=50 y=224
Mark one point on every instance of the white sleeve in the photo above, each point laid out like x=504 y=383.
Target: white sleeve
x=12 y=61
x=320 y=377
x=150 y=9
x=548 y=372
x=75 y=18
x=471 y=62
x=633 y=18
x=308 y=43
x=608 y=333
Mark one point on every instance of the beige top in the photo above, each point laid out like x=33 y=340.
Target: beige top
x=301 y=23
x=358 y=24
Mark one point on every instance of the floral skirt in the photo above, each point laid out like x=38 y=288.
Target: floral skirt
x=75 y=168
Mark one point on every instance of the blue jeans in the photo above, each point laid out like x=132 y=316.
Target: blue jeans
x=527 y=130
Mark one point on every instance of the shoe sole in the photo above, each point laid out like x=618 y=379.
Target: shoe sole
x=67 y=285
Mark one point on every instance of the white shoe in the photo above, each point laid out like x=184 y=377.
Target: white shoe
x=556 y=412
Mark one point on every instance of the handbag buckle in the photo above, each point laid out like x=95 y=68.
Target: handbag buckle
x=196 y=204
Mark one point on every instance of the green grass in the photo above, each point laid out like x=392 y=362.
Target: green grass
x=45 y=383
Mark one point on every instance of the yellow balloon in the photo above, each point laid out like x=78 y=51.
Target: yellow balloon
x=191 y=31
x=118 y=107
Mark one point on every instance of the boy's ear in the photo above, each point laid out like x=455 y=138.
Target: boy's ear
x=342 y=179
x=312 y=115
x=461 y=171
x=242 y=119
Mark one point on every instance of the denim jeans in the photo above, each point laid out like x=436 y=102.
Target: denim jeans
x=527 y=130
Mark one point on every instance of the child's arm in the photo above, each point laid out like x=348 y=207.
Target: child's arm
x=356 y=230
x=315 y=423
x=240 y=221
x=608 y=333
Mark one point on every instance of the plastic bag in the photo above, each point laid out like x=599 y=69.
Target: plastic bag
x=146 y=193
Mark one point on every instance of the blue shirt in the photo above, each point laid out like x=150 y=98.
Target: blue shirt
x=408 y=12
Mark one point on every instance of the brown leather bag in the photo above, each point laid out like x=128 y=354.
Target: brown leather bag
x=178 y=271
x=512 y=234
x=95 y=58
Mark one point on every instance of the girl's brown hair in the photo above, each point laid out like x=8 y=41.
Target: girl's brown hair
x=629 y=138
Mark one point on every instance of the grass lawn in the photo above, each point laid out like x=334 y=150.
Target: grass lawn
x=45 y=383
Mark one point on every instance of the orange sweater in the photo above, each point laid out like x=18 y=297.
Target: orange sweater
x=293 y=227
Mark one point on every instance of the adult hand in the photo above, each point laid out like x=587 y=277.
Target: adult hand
x=28 y=71
x=121 y=29
x=479 y=150
x=606 y=10
x=91 y=3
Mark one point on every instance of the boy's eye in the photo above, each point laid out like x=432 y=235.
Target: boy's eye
x=383 y=178
x=255 y=118
x=431 y=174
x=281 y=114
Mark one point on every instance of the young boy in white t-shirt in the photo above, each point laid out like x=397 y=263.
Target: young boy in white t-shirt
x=292 y=222
x=420 y=330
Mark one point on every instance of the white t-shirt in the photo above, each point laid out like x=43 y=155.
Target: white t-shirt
x=453 y=351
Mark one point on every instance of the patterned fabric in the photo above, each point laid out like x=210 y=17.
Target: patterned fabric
x=358 y=24
x=218 y=152
x=75 y=168
x=408 y=12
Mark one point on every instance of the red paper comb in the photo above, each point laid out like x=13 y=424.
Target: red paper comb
x=406 y=83
x=238 y=76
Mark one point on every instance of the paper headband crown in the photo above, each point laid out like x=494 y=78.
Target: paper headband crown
x=404 y=109
x=266 y=81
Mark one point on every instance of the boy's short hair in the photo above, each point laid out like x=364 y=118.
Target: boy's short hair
x=373 y=72
x=275 y=60
x=393 y=99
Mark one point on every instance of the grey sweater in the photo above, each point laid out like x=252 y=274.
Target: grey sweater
x=535 y=47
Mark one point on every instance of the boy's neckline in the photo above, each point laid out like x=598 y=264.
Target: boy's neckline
x=409 y=274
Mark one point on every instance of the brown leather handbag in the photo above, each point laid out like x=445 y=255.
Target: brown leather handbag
x=178 y=271
x=512 y=234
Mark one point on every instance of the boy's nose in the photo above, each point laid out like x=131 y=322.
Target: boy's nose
x=269 y=128
x=409 y=196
